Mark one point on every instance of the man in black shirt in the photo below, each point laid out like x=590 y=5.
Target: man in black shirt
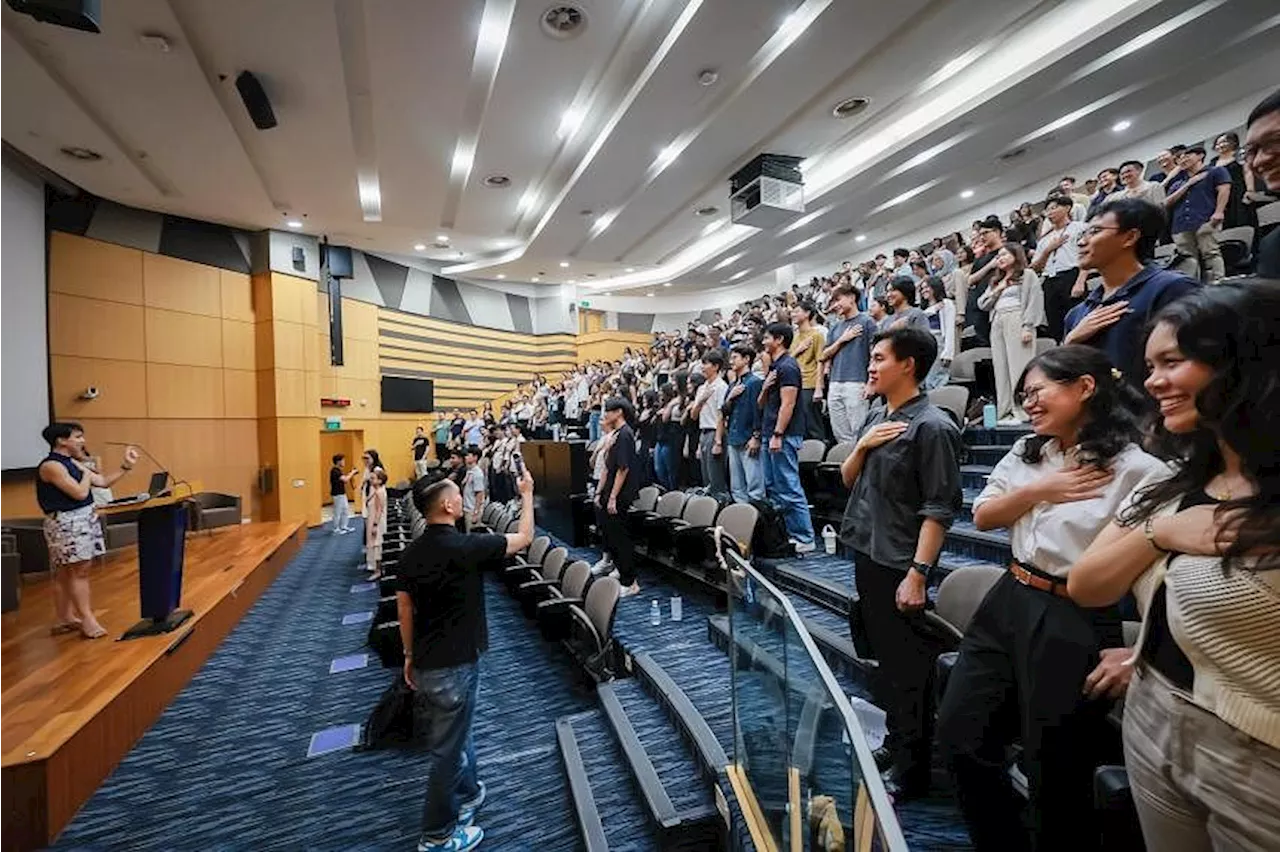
x=420 y=447
x=618 y=491
x=904 y=481
x=440 y=601
x=991 y=234
x=338 y=491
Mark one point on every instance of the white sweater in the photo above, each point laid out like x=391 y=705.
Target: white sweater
x=1228 y=625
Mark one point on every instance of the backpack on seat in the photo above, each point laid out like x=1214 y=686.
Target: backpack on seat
x=770 y=539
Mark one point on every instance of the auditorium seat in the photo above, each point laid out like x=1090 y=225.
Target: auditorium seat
x=828 y=491
x=810 y=456
x=590 y=639
x=953 y=399
x=1237 y=249
x=699 y=513
x=522 y=570
x=670 y=506
x=552 y=612
x=1118 y=824
x=540 y=580
x=737 y=522
x=959 y=596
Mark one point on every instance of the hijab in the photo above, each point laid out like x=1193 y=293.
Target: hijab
x=948 y=262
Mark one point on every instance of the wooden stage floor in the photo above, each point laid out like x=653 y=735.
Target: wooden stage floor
x=72 y=708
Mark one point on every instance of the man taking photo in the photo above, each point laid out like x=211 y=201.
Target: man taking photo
x=440 y=602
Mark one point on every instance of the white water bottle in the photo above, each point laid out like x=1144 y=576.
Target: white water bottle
x=655 y=613
x=677 y=608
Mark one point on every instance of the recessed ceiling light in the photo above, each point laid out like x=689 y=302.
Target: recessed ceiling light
x=500 y=276
x=84 y=154
x=534 y=279
x=294 y=223
x=497 y=181
x=709 y=210
x=564 y=264
x=572 y=281
x=850 y=107
x=631 y=269
x=968 y=193
x=649 y=295
x=570 y=121
x=708 y=77
x=861 y=238
x=1121 y=126
x=442 y=238
x=420 y=247
x=666 y=283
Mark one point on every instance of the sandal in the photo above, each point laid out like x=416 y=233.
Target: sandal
x=61 y=627
x=93 y=634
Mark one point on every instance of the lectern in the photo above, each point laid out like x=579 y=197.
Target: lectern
x=162 y=529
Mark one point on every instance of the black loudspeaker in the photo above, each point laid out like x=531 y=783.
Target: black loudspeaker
x=337 y=258
x=255 y=101
x=76 y=14
x=299 y=259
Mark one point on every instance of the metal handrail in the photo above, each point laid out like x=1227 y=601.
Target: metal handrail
x=891 y=830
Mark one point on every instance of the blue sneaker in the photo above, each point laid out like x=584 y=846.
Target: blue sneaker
x=464 y=838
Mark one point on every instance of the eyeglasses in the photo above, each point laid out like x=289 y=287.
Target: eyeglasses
x=1093 y=230
x=1028 y=395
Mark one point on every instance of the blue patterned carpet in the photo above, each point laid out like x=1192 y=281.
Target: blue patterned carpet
x=225 y=766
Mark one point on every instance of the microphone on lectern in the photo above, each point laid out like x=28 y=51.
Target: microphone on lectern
x=160 y=467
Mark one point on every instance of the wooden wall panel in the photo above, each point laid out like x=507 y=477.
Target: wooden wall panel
x=293 y=299
x=122 y=387
x=79 y=266
x=92 y=328
x=266 y=388
x=240 y=394
x=264 y=345
x=237 y=295
x=299 y=486
x=291 y=393
x=174 y=337
x=239 y=345
x=288 y=345
x=180 y=285
x=359 y=321
x=184 y=392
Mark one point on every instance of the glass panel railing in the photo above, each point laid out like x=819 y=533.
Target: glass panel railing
x=798 y=746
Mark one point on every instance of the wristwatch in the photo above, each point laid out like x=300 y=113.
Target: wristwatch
x=777 y=434
x=923 y=568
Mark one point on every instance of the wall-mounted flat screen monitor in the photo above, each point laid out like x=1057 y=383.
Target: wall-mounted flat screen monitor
x=411 y=395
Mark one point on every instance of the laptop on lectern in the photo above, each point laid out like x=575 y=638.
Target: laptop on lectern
x=157 y=487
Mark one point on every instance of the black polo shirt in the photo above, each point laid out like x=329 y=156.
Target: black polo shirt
x=441 y=572
x=419 y=447
x=622 y=455
x=337 y=488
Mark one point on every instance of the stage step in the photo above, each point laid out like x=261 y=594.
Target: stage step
x=680 y=802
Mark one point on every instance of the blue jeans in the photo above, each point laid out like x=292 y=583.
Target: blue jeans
x=746 y=475
x=782 y=484
x=444 y=709
x=664 y=465
x=593 y=426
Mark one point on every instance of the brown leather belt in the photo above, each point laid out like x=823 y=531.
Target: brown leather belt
x=1036 y=581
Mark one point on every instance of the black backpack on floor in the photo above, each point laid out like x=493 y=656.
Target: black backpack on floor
x=770 y=539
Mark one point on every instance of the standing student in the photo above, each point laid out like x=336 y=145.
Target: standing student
x=780 y=420
x=706 y=410
x=1016 y=304
x=941 y=313
x=1200 y=549
x=440 y=604
x=1120 y=244
x=739 y=428
x=1197 y=202
x=442 y=437
x=1057 y=260
x=904 y=481
x=1032 y=661
x=618 y=491
x=338 y=491
x=806 y=348
x=420 y=446
x=474 y=488
x=72 y=531
x=848 y=351
x=375 y=524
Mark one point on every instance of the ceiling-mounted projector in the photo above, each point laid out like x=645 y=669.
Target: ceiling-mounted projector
x=767 y=192
x=76 y=14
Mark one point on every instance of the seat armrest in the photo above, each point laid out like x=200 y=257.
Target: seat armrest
x=537 y=584
x=552 y=605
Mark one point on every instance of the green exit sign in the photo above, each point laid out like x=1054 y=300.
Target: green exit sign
x=333 y=424
x=584 y=304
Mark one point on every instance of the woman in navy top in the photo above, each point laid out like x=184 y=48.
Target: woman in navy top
x=71 y=527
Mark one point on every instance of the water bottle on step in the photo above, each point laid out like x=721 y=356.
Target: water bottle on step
x=655 y=613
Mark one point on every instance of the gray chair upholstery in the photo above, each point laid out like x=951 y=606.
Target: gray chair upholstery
x=739 y=521
x=951 y=398
x=573 y=582
x=1044 y=344
x=811 y=451
x=839 y=452
x=647 y=498
x=215 y=510
x=962 y=366
x=959 y=596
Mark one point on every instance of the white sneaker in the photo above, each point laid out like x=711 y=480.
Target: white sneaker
x=803 y=548
x=614 y=574
x=633 y=589
x=602 y=566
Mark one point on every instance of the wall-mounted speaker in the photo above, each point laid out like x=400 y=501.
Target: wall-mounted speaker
x=299 y=259
x=255 y=101
x=338 y=259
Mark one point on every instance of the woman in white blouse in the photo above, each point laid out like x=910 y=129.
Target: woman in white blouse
x=1200 y=549
x=1016 y=304
x=940 y=311
x=1032 y=663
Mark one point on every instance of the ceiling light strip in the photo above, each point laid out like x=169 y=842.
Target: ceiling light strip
x=491 y=44
x=655 y=61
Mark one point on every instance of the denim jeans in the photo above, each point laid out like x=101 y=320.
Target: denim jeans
x=746 y=475
x=444 y=709
x=664 y=465
x=782 y=485
x=593 y=426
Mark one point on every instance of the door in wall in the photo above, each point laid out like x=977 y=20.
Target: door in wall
x=589 y=321
x=351 y=444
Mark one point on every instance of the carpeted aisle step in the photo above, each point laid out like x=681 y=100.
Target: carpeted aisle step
x=622 y=812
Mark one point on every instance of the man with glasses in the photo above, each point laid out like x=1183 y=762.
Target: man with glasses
x=1119 y=245
x=1262 y=155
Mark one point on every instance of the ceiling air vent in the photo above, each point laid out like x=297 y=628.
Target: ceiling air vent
x=1012 y=155
x=563 y=21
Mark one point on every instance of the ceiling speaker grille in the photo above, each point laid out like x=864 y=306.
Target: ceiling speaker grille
x=563 y=21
